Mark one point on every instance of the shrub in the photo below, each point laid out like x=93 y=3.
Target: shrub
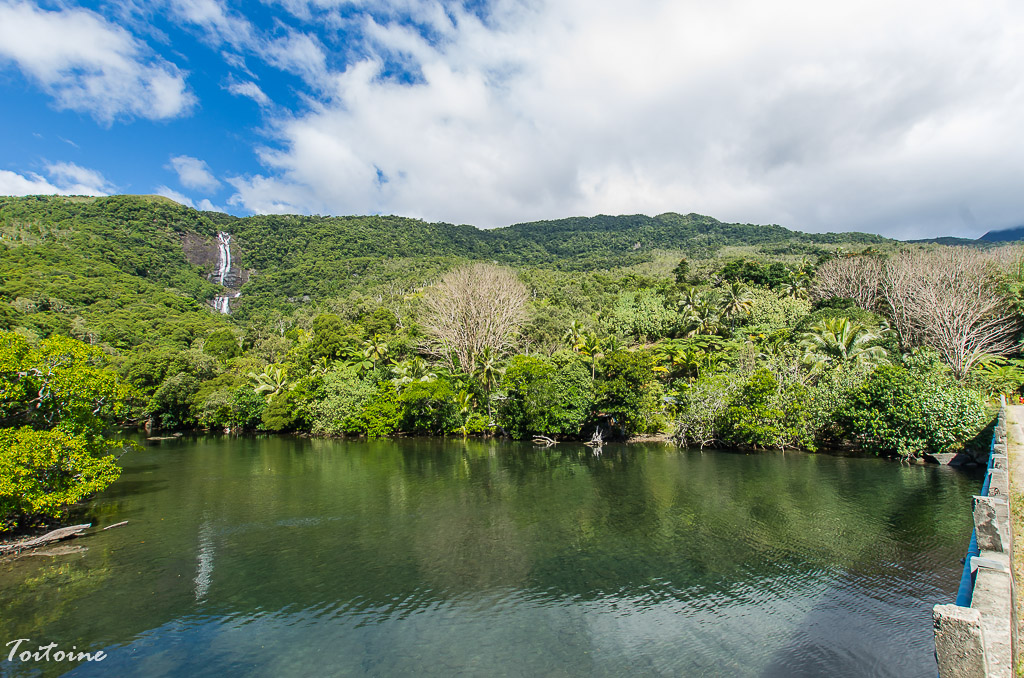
x=903 y=412
x=765 y=413
x=278 y=414
x=429 y=408
x=382 y=413
x=345 y=395
x=171 y=404
x=545 y=396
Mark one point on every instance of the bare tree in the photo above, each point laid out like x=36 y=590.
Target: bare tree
x=949 y=299
x=857 y=278
x=473 y=308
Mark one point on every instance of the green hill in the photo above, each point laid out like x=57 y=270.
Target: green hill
x=114 y=270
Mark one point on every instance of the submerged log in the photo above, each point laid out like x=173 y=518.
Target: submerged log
x=48 y=538
x=545 y=441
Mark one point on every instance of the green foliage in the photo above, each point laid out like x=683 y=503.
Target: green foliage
x=222 y=345
x=545 y=396
x=346 y=393
x=42 y=473
x=903 y=412
x=770 y=312
x=278 y=414
x=624 y=391
x=772 y=275
x=642 y=314
x=246 y=409
x=1001 y=376
x=329 y=338
x=765 y=413
x=171 y=404
x=56 y=400
x=429 y=408
x=838 y=340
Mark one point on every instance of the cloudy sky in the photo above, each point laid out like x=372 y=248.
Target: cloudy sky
x=902 y=117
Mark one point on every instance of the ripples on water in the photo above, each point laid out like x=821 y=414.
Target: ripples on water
x=287 y=557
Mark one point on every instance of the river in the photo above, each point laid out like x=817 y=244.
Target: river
x=281 y=556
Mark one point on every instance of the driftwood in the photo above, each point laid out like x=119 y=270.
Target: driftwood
x=110 y=527
x=544 y=441
x=49 y=537
x=596 y=441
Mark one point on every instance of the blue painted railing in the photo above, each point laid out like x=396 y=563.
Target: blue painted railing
x=966 y=590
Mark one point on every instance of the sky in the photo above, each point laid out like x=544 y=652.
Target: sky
x=899 y=117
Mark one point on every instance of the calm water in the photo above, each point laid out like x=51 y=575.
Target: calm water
x=286 y=557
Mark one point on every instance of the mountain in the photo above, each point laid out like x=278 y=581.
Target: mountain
x=132 y=271
x=1004 y=235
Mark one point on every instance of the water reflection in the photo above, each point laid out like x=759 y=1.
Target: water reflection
x=282 y=556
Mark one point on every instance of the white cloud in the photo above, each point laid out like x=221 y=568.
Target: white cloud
x=182 y=199
x=66 y=178
x=819 y=116
x=176 y=196
x=194 y=173
x=90 y=65
x=216 y=20
x=298 y=53
x=251 y=90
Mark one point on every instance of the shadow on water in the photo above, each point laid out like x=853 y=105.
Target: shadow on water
x=898 y=589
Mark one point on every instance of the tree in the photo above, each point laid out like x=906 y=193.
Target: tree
x=546 y=396
x=56 y=401
x=625 y=389
x=736 y=300
x=839 y=340
x=270 y=382
x=473 y=308
x=222 y=345
x=488 y=372
x=681 y=272
x=950 y=299
x=858 y=278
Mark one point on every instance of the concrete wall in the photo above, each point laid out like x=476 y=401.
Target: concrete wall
x=977 y=641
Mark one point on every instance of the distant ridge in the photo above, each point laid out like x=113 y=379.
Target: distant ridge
x=1004 y=235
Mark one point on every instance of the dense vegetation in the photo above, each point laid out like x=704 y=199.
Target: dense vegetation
x=714 y=334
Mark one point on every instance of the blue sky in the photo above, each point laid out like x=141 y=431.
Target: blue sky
x=902 y=118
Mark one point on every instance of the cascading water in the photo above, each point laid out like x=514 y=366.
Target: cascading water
x=222 y=304
x=223 y=255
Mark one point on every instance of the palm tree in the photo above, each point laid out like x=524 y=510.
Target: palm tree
x=375 y=349
x=841 y=340
x=736 y=300
x=320 y=367
x=690 y=300
x=797 y=287
x=489 y=372
x=464 y=404
x=573 y=334
x=704 y=318
x=590 y=346
x=413 y=369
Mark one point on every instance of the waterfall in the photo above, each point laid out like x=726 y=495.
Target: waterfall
x=223 y=256
x=222 y=304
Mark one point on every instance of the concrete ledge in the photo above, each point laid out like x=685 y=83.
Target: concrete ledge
x=977 y=641
x=959 y=642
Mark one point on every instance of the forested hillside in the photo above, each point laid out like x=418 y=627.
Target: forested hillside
x=711 y=333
